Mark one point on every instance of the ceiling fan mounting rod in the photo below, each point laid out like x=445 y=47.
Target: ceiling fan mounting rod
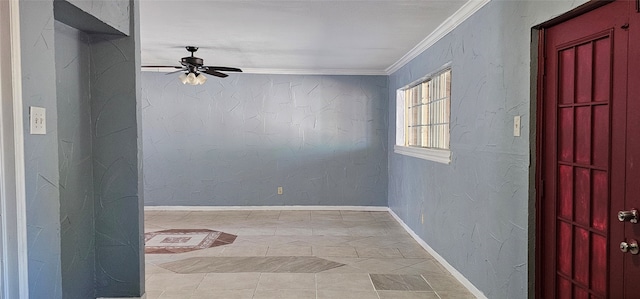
x=192 y=49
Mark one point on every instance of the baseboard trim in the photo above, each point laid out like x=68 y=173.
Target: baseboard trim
x=267 y=208
x=463 y=280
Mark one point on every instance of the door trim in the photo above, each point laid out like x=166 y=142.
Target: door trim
x=13 y=230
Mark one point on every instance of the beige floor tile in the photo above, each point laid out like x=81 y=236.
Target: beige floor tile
x=213 y=251
x=331 y=231
x=150 y=269
x=430 y=267
x=443 y=282
x=327 y=241
x=366 y=242
x=282 y=281
x=223 y=294
x=373 y=232
x=377 y=266
x=173 y=281
x=256 y=231
x=407 y=295
x=244 y=251
x=334 y=251
x=334 y=294
x=418 y=253
x=288 y=231
x=372 y=241
x=406 y=262
x=295 y=216
x=289 y=251
x=378 y=252
x=345 y=269
x=153 y=294
x=463 y=294
x=229 y=281
x=176 y=294
x=340 y=281
x=152 y=228
x=285 y=294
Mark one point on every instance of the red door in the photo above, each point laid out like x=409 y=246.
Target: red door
x=589 y=155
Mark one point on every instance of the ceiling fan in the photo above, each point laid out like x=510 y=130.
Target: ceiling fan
x=193 y=67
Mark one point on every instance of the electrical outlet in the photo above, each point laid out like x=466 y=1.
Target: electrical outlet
x=516 y=126
x=280 y=191
x=37 y=120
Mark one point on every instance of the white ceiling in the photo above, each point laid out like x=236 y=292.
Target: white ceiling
x=291 y=36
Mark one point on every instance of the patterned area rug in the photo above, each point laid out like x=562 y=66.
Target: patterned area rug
x=185 y=240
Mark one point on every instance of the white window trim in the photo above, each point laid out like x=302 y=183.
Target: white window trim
x=435 y=155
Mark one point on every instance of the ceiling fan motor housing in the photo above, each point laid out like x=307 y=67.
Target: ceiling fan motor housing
x=195 y=61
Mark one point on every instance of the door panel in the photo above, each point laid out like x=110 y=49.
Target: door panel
x=582 y=153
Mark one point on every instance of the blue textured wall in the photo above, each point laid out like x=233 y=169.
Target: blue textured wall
x=476 y=209
x=233 y=141
x=44 y=185
x=117 y=167
x=76 y=163
x=113 y=13
x=41 y=151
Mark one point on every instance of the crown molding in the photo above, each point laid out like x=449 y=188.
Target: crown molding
x=467 y=10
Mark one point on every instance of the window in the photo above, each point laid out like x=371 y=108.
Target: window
x=423 y=117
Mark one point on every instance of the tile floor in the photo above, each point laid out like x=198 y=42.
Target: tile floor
x=297 y=254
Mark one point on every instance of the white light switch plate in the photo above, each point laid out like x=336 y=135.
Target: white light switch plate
x=516 y=126
x=38 y=120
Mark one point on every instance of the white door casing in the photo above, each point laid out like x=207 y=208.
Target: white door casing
x=13 y=232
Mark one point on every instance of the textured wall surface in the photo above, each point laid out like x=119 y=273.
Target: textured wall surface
x=41 y=151
x=42 y=163
x=233 y=141
x=115 y=111
x=114 y=13
x=76 y=164
x=476 y=209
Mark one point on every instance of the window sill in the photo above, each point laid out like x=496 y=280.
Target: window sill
x=435 y=155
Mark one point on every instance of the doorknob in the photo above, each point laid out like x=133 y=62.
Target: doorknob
x=631 y=247
x=631 y=216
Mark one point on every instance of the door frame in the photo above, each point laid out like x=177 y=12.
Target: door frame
x=536 y=139
x=13 y=227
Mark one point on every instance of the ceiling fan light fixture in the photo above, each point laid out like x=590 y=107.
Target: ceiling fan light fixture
x=201 y=79
x=192 y=66
x=183 y=78
x=191 y=79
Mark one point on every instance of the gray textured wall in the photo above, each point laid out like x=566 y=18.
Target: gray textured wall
x=117 y=169
x=41 y=151
x=476 y=209
x=76 y=162
x=120 y=61
x=233 y=141
x=114 y=13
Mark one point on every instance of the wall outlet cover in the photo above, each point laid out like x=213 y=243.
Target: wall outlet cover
x=37 y=120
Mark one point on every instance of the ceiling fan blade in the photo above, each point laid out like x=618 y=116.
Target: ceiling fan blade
x=180 y=70
x=223 y=68
x=163 y=66
x=215 y=73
